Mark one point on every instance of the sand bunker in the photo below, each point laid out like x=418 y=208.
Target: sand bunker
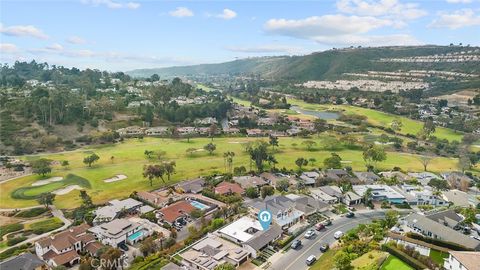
x=47 y=181
x=236 y=142
x=116 y=178
x=66 y=190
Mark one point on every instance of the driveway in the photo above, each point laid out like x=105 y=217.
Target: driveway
x=295 y=259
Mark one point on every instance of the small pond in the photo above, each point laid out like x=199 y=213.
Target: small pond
x=320 y=114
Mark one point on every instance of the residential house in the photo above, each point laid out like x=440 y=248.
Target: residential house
x=255 y=132
x=430 y=228
x=156 y=131
x=63 y=248
x=462 y=260
x=284 y=210
x=191 y=186
x=333 y=191
x=457 y=198
x=447 y=217
x=180 y=209
x=307 y=204
x=380 y=193
x=25 y=261
x=419 y=195
x=114 y=209
x=119 y=231
x=423 y=177
x=319 y=194
x=212 y=251
x=151 y=198
x=397 y=175
x=227 y=188
x=248 y=233
x=456 y=179
x=250 y=181
x=309 y=178
x=351 y=198
x=367 y=178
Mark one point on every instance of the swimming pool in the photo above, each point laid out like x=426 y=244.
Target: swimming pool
x=133 y=237
x=199 y=205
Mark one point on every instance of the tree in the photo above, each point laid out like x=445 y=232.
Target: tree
x=86 y=199
x=300 y=162
x=396 y=125
x=111 y=256
x=46 y=199
x=342 y=260
x=41 y=166
x=425 y=160
x=148 y=153
x=148 y=246
x=309 y=144
x=169 y=167
x=228 y=159
x=212 y=130
x=258 y=153
x=373 y=154
x=251 y=192
x=319 y=125
x=438 y=184
x=65 y=163
x=153 y=171
x=312 y=161
x=464 y=162
x=210 y=148
x=333 y=162
x=367 y=196
x=391 y=218
x=273 y=141
x=428 y=128
x=282 y=185
x=89 y=160
x=267 y=191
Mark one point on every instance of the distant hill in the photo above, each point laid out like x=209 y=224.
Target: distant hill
x=329 y=64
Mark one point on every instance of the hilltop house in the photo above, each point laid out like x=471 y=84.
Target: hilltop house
x=114 y=208
x=119 y=231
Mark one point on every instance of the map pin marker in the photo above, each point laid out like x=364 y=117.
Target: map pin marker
x=265 y=218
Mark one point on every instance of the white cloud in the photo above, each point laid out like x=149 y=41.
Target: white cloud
x=76 y=40
x=181 y=12
x=388 y=8
x=55 y=47
x=112 y=4
x=326 y=25
x=8 y=48
x=227 y=14
x=456 y=19
x=23 y=31
x=459 y=1
x=266 y=48
x=339 y=30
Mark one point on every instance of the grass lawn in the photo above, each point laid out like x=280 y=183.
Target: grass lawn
x=129 y=160
x=373 y=257
x=381 y=119
x=325 y=262
x=33 y=192
x=438 y=256
x=43 y=226
x=394 y=263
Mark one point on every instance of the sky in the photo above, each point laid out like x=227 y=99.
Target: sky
x=121 y=35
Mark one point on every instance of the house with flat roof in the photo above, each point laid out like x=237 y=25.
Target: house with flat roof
x=367 y=178
x=248 y=233
x=430 y=228
x=25 y=261
x=212 y=251
x=191 y=186
x=114 y=208
x=420 y=195
x=64 y=247
x=119 y=231
x=462 y=260
x=250 y=181
x=380 y=193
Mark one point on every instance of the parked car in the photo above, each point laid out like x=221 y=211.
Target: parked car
x=296 y=244
x=324 y=247
x=310 y=260
x=319 y=227
x=123 y=247
x=338 y=234
x=309 y=234
x=350 y=215
x=327 y=222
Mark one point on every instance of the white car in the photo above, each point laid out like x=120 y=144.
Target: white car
x=310 y=260
x=338 y=234
x=309 y=234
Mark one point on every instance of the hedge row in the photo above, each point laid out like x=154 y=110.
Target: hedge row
x=404 y=257
x=438 y=242
x=5 y=229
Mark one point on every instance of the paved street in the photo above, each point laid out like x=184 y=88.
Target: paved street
x=295 y=259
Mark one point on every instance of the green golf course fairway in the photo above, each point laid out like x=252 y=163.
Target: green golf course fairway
x=129 y=159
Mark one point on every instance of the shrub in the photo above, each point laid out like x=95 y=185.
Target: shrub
x=46 y=225
x=16 y=240
x=10 y=228
x=29 y=213
x=437 y=242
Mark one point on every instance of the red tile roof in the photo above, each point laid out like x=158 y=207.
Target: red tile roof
x=93 y=247
x=227 y=187
x=66 y=257
x=176 y=210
